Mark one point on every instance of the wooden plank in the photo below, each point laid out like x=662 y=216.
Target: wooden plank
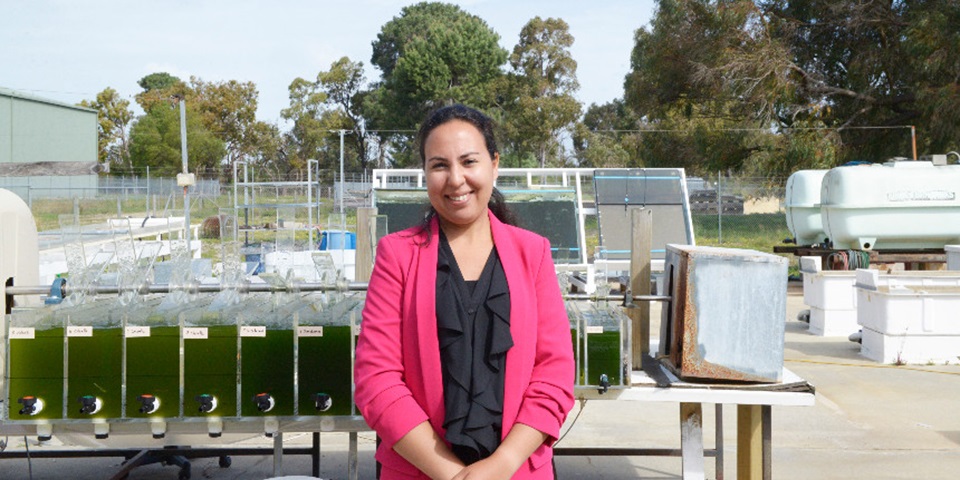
x=749 y=443
x=641 y=243
x=365 y=235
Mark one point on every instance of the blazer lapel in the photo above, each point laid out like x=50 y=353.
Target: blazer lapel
x=429 y=345
x=514 y=272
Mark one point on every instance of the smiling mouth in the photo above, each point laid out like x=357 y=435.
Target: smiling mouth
x=460 y=198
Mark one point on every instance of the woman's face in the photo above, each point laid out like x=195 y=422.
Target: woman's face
x=459 y=172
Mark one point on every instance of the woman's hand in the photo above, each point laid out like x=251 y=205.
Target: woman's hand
x=491 y=468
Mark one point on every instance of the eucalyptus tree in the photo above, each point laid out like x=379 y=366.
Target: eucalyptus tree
x=801 y=84
x=155 y=142
x=113 y=119
x=322 y=107
x=540 y=101
x=432 y=54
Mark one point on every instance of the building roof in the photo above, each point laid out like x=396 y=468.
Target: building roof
x=6 y=92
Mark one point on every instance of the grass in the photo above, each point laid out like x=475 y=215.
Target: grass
x=757 y=231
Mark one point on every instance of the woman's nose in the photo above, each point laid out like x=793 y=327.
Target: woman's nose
x=456 y=175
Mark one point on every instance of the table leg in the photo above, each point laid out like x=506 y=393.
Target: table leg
x=767 y=419
x=749 y=442
x=718 y=441
x=691 y=441
x=315 y=454
x=353 y=469
x=278 y=454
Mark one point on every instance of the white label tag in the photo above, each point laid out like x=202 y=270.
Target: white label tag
x=195 y=333
x=310 y=331
x=136 y=332
x=22 y=333
x=79 y=331
x=251 y=331
x=595 y=329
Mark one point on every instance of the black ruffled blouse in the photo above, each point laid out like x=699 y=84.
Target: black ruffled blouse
x=473 y=326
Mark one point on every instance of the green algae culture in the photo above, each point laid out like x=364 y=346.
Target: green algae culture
x=325 y=346
x=267 y=356
x=210 y=366
x=35 y=365
x=597 y=332
x=94 y=361
x=152 y=352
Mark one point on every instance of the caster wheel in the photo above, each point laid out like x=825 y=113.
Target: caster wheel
x=225 y=461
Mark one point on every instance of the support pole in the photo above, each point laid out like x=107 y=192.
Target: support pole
x=641 y=233
x=342 y=133
x=913 y=138
x=365 y=236
x=183 y=156
x=749 y=442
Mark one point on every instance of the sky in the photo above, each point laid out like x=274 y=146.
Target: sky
x=69 y=50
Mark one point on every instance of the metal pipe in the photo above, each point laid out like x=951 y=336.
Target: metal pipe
x=302 y=287
x=205 y=288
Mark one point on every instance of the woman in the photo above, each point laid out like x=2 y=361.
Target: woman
x=464 y=364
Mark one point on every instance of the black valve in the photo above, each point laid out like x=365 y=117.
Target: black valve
x=604 y=384
x=88 y=404
x=264 y=402
x=207 y=402
x=29 y=405
x=148 y=403
x=322 y=401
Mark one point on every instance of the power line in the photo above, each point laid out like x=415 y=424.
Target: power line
x=757 y=129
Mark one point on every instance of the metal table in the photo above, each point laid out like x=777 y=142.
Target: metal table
x=754 y=417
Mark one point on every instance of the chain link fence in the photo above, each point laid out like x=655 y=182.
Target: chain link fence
x=736 y=212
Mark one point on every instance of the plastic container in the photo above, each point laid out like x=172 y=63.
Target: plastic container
x=831 y=297
x=912 y=323
x=802 y=206
x=953 y=257
x=338 y=240
x=897 y=205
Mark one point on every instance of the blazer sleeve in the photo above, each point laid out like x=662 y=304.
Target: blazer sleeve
x=382 y=394
x=549 y=396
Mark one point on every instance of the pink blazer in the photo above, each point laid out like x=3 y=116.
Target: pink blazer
x=397 y=370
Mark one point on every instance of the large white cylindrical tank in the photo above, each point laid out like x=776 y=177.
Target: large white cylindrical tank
x=19 y=258
x=896 y=205
x=19 y=250
x=802 y=206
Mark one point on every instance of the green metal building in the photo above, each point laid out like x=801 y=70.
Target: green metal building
x=47 y=148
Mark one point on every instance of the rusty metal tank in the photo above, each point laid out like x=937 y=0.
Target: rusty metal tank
x=727 y=315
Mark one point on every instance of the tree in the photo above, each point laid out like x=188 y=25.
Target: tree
x=784 y=85
x=113 y=118
x=544 y=75
x=159 y=88
x=155 y=142
x=869 y=64
x=433 y=54
x=605 y=136
x=343 y=85
x=229 y=110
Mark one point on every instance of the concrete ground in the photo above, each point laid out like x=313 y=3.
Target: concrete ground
x=870 y=421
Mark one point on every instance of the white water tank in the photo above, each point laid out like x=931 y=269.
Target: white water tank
x=896 y=205
x=19 y=250
x=802 y=206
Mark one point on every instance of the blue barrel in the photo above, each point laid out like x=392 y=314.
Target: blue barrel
x=338 y=240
